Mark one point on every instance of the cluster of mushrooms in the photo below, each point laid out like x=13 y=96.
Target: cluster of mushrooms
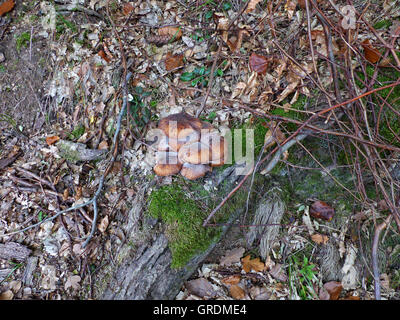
x=188 y=146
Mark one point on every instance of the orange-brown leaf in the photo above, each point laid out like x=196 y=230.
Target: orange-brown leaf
x=127 y=8
x=370 y=53
x=170 y=31
x=173 y=61
x=319 y=238
x=251 y=6
x=103 y=55
x=52 y=139
x=252 y=264
x=258 y=63
x=321 y=210
x=231 y=279
x=334 y=289
x=6 y=6
x=236 y=292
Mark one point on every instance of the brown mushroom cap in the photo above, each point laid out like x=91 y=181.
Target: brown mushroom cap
x=218 y=146
x=175 y=123
x=194 y=153
x=167 y=169
x=194 y=171
x=167 y=157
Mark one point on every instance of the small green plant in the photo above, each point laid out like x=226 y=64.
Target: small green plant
x=23 y=40
x=78 y=131
x=199 y=75
x=138 y=110
x=16 y=267
x=62 y=24
x=302 y=276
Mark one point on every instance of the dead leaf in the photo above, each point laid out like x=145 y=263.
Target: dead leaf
x=232 y=256
x=385 y=281
x=258 y=63
x=236 y=292
x=73 y=282
x=321 y=210
x=323 y=294
x=6 y=6
x=252 y=264
x=259 y=293
x=278 y=273
x=272 y=135
x=6 y=295
x=235 y=43
x=10 y=157
x=251 y=6
x=173 y=32
x=103 y=145
x=235 y=279
x=201 y=288
x=334 y=289
x=52 y=139
x=238 y=91
x=102 y=54
x=319 y=238
x=370 y=53
x=127 y=8
x=173 y=61
x=290 y=7
x=103 y=224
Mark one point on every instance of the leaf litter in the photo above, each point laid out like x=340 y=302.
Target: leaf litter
x=161 y=45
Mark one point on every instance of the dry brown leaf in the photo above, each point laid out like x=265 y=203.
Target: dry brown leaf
x=232 y=256
x=52 y=139
x=231 y=279
x=290 y=7
x=65 y=194
x=102 y=54
x=272 y=135
x=173 y=32
x=252 y=264
x=103 y=145
x=6 y=6
x=103 y=224
x=238 y=91
x=370 y=53
x=127 y=8
x=385 y=281
x=6 y=295
x=173 y=61
x=319 y=238
x=73 y=282
x=236 y=292
x=321 y=210
x=201 y=288
x=278 y=273
x=251 y=6
x=259 y=63
x=334 y=289
x=236 y=44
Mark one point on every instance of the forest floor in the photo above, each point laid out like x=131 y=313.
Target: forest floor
x=239 y=64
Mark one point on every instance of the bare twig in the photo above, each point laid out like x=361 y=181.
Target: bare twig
x=375 y=265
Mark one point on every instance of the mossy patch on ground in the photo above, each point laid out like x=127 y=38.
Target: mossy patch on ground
x=183 y=218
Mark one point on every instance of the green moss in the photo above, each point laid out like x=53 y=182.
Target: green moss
x=23 y=40
x=183 y=218
x=78 y=131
